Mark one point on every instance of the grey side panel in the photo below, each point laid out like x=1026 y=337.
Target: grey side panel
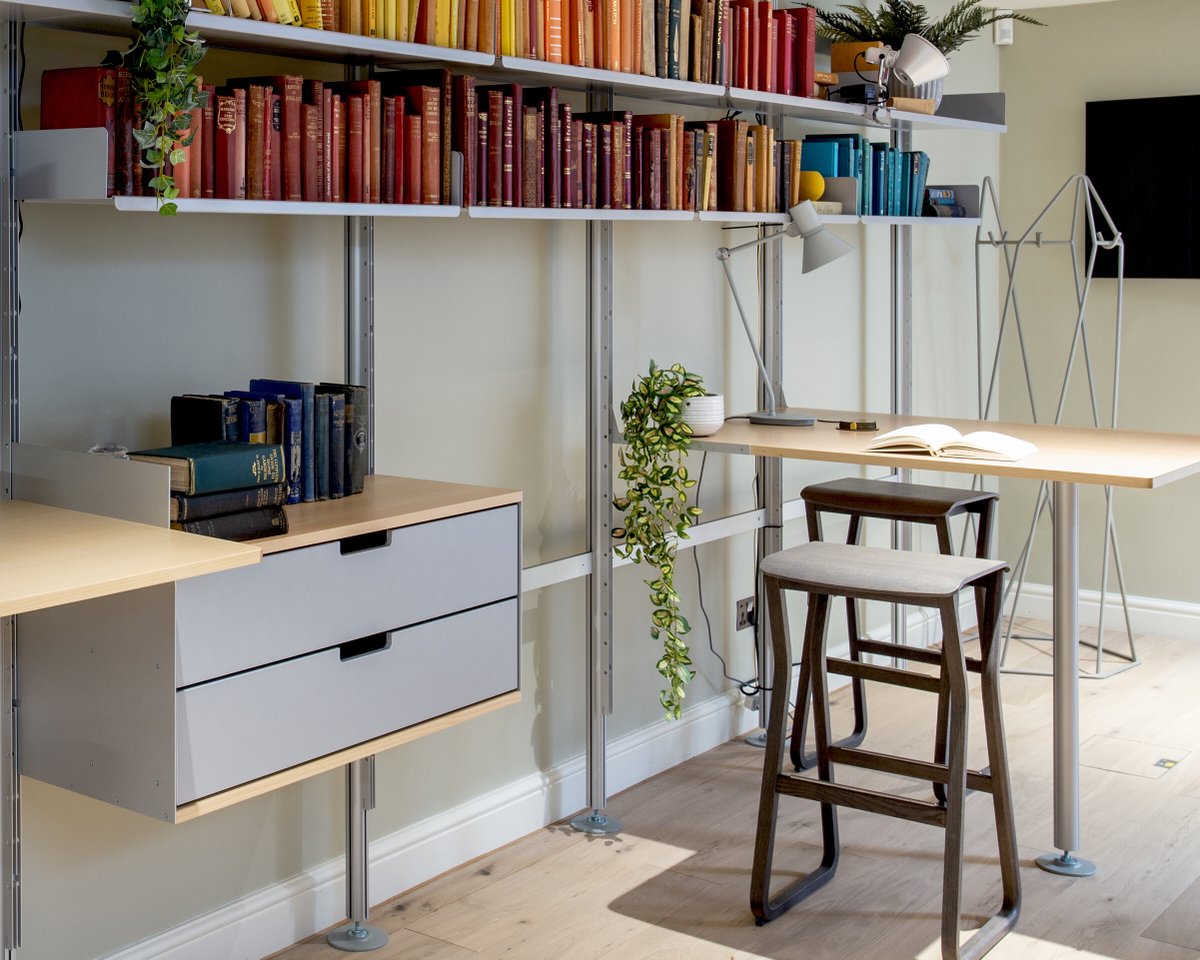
x=124 y=489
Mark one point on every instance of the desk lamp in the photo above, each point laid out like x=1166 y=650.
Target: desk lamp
x=916 y=62
x=820 y=247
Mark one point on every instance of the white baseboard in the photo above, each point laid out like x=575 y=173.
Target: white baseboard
x=277 y=916
x=1174 y=619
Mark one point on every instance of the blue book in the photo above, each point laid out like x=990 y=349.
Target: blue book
x=283 y=426
x=918 y=190
x=252 y=416
x=304 y=392
x=337 y=443
x=821 y=156
x=321 y=442
x=907 y=159
x=879 y=152
x=894 y=183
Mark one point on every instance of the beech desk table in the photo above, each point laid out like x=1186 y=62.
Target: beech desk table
x=1066 y=457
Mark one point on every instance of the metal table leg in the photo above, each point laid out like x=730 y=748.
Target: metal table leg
x=356 y=936
x=1066 y=686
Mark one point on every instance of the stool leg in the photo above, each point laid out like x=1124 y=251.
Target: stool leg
x=941 y=726
x=762 y=904
x=800 y=759
x=955 y=689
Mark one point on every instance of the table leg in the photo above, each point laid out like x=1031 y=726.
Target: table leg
x=1066 y=686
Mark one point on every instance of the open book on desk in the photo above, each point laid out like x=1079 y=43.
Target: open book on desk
x=941 y=440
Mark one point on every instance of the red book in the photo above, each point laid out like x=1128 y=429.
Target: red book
x=230 y=146
x=509 y=168
x=806 y=49
x=638 y=173
x=208 y=131
x=785 y=69
x=495 y=138
x=78 y=97
x=354 y=149
x=128 y=178
x=588 y=165
x=529 y=149
x=577 y=163
x=540 y=175
x=256 y=100
x=412 y=158
x=568 y=155
x=481 y=159
x=273 y=154
x=337 y=178
x=310 y=167
x=465 y=131
x=604 y=166
x=196 y=152
x=328 y=146
x=516 y=93
x=388 y=173
x=741 y=33
x=425 y=102
x=314 y=96
x=372 y=93
x=765 y=76
x=689 y=170
x=652 y=168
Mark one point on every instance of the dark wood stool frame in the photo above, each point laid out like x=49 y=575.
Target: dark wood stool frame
x=952 y=772
x=904 y=502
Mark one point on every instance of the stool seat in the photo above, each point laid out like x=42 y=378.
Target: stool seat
x=847 y=570
x=917 y=502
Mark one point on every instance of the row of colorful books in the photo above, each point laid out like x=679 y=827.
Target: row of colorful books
x=322 y=428
x=458 y=24
x=889 y=182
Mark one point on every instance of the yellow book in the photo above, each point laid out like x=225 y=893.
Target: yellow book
x=414 y=10
x=452 y=39
x=389 y=20
x=508 y=27
x=402 y=20
x=369 y=17
x=441 y=23
x=283 y=10
x=215 y=6
x=310 y=14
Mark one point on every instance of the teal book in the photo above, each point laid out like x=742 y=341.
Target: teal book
x=918 y=189
x=220 y=465
x=820 y=155
x=295 y=389
x=851 y=161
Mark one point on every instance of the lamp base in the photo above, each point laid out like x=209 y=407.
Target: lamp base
x=783 y=418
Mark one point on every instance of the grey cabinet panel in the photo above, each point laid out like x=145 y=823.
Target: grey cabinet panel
x=242 y=727
x=308 y=599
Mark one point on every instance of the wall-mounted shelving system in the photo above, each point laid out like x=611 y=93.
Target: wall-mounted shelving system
x=48 y=172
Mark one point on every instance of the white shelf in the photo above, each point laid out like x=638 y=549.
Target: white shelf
x=922 y=221
x=800 y=108
x=739 y=216
x=575 y=213
x=287 y=208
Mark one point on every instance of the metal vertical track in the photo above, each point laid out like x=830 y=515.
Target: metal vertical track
x=902 y=351
x=599 y=499
x=360 y=316
x=10 y=783
x=769 y=470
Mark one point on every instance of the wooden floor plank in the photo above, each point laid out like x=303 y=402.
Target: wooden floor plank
x=674 y=884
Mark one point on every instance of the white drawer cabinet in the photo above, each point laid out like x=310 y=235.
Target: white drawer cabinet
x=177 y=694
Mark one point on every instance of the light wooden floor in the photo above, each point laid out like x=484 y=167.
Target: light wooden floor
x=673 y=885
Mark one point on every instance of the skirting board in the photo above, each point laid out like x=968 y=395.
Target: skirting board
x=284 y=913
x=1173 y=619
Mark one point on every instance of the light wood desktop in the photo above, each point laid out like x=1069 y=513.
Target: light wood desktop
x=1065 y=457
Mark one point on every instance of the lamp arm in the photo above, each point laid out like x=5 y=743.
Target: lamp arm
x=723 y=256
x=724 y=253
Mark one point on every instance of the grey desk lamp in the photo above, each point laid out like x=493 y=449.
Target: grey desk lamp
x=820 y=247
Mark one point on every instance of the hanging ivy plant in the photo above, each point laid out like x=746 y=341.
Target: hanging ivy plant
x=162 y=63
x=656 y=508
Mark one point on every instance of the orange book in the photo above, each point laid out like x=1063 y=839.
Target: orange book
x=425 y=102
x=672 y=175
x=635 y=61
x=554 y=32
x=471 y=33
x=256 y=105
x=612 y=26
x=625 y=29
x=488 y=12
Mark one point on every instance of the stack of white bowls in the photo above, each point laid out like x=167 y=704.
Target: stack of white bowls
x=704 y=414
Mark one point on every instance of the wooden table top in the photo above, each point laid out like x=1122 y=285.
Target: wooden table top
x=1121 y=458
x=52 y=556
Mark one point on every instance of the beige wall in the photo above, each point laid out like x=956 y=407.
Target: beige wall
x=1101 y=52
x=480 y=353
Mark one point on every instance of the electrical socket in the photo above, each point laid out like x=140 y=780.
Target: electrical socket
x=745 y=613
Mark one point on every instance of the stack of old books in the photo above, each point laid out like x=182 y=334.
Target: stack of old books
x=225 y=488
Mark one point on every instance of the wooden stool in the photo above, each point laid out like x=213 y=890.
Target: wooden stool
x=910 y=502
x=893 y=576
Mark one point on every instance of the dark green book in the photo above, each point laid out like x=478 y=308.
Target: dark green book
x=223 y=465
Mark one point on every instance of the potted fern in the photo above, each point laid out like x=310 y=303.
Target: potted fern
x=162 y=64
x=895 y=19
x=655 y=505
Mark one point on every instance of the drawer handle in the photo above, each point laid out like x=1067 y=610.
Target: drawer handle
x=365 y=541
x=364 y=646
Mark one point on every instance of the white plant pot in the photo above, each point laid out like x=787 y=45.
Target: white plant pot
x=704 y=414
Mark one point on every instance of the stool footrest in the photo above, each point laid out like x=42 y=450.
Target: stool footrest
x=860 y=798
x=905 y=767
x=882 y=648
x=892 y=675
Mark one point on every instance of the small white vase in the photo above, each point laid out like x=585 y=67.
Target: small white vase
x=704 y=414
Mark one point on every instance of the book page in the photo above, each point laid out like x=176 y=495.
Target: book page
x=917 y=438
x=988 y=445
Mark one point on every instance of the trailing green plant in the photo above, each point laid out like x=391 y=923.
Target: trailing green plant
x=162 y=64
x=896 y=18
x=656 y=508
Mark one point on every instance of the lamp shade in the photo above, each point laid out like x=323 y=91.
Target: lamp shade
x=820 y=246
x=919 y=61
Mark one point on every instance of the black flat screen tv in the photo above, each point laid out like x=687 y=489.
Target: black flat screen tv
x=1143 y=157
